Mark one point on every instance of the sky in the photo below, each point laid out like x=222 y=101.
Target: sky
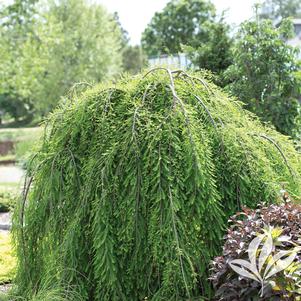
x=136 y=14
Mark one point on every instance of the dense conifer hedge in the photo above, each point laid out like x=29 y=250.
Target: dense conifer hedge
x=130 y=192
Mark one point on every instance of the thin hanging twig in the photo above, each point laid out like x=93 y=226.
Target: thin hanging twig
x=207 y=110
x=194 y=78
x=292 y=172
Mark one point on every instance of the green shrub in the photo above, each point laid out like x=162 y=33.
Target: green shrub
x=134 y=183
x=7 y=201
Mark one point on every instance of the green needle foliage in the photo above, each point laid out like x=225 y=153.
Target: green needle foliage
x=130 y=192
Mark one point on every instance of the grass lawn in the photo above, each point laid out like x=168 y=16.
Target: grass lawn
x=25 y=139
x=9 y=186
x=18 y=134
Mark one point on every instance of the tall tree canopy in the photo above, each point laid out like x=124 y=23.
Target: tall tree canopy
x=279 y=9
x=263 y=74
x=180 y=22
x=16 y=28
x=82 y=43
x=71 y=41
x=20 y=12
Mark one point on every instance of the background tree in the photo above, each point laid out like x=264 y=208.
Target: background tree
x=16 y=27
x=133 y=59
x=180 y=22
x=279 y=9
x=215 y=54
x=71 y=41
x=20 y=12
x=80 y=43
x=263 y=74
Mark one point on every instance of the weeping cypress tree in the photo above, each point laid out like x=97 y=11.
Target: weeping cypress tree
x=129 y=193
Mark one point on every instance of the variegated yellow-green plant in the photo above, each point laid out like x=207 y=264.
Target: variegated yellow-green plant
x=261 y=256
x=267 y=259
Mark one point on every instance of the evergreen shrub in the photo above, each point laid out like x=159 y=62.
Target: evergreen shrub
x=129 y=194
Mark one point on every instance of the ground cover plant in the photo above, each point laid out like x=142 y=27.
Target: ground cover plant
x=129 y=194
x=7 y=258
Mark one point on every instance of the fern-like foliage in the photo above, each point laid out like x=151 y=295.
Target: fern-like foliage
x=130 y=191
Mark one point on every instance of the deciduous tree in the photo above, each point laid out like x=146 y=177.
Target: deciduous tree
x=71 y=41
x=180 y=22
x=215 y=53
x=263 y=74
